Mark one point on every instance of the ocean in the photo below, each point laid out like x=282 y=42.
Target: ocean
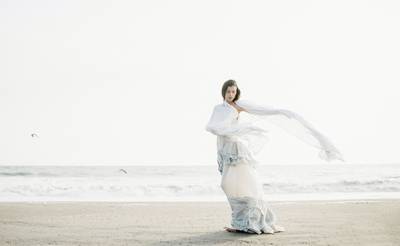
x=195 y=182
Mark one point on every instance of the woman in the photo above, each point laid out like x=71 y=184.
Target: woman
x=238 y=143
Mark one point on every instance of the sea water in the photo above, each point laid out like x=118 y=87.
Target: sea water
x=195 y=182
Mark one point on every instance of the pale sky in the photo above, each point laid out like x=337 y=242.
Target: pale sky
x=134 y=82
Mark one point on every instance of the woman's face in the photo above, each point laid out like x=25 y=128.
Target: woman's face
x=230 y=93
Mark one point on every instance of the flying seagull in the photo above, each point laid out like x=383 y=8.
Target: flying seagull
x=34 y=135
x=122 y=170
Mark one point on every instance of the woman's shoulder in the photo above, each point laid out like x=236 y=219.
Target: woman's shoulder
x=220 y=108
x=219 y=105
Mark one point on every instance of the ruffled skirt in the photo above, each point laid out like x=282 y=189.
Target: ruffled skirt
x=241 y=184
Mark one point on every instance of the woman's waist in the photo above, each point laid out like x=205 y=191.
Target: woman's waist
x=229 y=138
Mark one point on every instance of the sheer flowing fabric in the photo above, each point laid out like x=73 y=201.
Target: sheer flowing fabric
x=238 y=143
x=250 y=211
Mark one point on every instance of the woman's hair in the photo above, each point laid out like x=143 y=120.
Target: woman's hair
x=227 y=84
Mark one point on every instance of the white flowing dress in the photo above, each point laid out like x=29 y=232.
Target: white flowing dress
x=237 y=145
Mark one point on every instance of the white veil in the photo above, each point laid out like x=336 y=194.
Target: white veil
x=295 y=125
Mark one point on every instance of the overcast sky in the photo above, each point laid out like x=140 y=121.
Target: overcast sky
x=134 y=82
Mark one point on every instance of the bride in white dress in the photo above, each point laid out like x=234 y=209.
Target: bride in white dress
x=238 y=143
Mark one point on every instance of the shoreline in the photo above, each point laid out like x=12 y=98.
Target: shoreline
x=346 y=222
x=356 y=200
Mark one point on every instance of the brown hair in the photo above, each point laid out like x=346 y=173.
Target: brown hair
x=227 y=84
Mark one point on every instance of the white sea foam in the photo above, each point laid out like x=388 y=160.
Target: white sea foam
x=194 y=183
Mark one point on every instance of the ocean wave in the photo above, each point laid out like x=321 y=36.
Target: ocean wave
x=174 y=182
x=16 y=174
x=377 y=185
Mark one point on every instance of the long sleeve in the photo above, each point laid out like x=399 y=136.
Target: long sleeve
x=220 y=124
x=294 y=124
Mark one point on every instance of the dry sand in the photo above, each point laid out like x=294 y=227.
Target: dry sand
x=371 y=222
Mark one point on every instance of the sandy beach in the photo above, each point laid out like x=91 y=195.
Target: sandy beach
x=370 y=222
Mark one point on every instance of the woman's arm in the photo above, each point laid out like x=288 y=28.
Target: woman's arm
x=220 y=123
x=294 y=124
x=262 y=109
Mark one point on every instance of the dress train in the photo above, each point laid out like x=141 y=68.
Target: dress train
x=251 y=212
